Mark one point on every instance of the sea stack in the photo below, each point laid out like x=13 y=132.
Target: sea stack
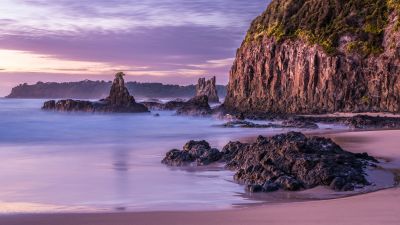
x=208 y=88
x=119 y=101
x=319 y=57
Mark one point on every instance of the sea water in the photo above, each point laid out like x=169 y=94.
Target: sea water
x=52 y=161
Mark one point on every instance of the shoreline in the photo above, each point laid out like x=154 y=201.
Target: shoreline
x=377 y=207
x=374 y=208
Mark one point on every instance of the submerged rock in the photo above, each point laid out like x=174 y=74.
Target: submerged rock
x=299 y=124
x=198 y=152
x=208 y=88
x=119 y=100
x=197 y=106
x=357 y=122
x=285 y=124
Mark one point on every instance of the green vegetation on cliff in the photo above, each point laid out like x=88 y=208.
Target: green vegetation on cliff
x=323 y=22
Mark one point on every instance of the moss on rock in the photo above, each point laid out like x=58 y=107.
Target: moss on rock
x=323 y=22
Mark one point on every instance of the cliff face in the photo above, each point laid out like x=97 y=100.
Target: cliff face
x=208 y=88
x=293 y=64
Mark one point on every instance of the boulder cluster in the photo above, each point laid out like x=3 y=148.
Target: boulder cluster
x=289 y=161
x=194 y=152
x=196 y=106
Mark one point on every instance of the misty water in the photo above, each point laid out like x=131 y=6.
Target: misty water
x=75 y=162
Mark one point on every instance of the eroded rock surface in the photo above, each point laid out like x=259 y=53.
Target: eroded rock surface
x=289 y=161
x=197 y=106
x=293 y=162
x=280 y=69
x=197 y=152
x=208 y=88
x=119 y=101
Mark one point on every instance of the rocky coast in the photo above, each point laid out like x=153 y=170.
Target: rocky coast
x=118 y=101
x=289 y=161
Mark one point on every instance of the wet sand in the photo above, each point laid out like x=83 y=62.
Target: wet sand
x=381 y=207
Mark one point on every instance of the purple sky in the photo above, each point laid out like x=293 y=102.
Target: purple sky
x=170 y=41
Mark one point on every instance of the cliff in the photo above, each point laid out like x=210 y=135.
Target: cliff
x=318 y=56
x=208 y=88
x=99 y=89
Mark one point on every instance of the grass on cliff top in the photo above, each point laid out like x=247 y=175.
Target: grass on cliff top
x=323 y=22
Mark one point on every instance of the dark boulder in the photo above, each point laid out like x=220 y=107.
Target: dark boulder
x=69 y=105
x=197 y=106
x=194 y=152
x=291 y=123
x=289 y=161
x=294 y=161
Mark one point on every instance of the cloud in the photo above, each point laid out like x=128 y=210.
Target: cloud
x=153 y=39
x=71 y=16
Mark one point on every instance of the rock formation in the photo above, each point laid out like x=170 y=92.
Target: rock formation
x=292 y=161
x=287 y=161
x=208 y=88
x=197 y=152
x=197 y=106
x=318 y=56
x=119 y=100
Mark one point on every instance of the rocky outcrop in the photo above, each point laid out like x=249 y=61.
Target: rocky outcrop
x=197 y=106
x=194 y=152
x=208 y=88
x=289 y=161
x=119 y=101
x=285 y=124
x=169 y=106
x=292 y=162
x=317 y=57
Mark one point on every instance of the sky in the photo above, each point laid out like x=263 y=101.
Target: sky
x=168 y=41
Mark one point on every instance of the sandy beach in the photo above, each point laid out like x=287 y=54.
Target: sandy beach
x=380 y=207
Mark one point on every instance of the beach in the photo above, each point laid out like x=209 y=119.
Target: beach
x=380 y=207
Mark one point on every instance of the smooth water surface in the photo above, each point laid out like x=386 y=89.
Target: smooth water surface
x=81 y=162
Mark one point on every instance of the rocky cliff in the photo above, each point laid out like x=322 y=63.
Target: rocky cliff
x=208 y=88
x=317 y=56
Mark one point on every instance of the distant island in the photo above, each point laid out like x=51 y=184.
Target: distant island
x=88 y=89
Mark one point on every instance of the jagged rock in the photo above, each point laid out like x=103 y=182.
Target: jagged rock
x=208 y=88
x=69 y=105
x=358 y=121
x=364 y=122
x=153 y=105
x=293 y=162
x=289 y=161
x=247 y=124
x=119 y=94
x=292 y=61
x=291 y=123
x=197 y=106
x=198 y=152
x=285 y=124
x=119 y=100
